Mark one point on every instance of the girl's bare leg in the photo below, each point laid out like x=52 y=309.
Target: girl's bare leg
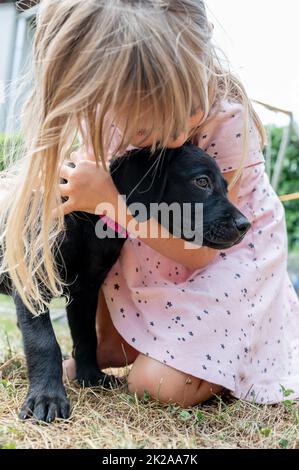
x=162 y=382
x=168 y=385
x=113 y=350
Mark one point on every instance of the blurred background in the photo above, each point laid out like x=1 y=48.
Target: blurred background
x=258 y=38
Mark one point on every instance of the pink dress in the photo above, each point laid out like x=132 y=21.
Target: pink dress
x=234 y=322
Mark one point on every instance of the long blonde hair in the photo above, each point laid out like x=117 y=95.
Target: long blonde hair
x=92 y=61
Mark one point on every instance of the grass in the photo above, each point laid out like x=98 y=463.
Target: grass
x=115 y=419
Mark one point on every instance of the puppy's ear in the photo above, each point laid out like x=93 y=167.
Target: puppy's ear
x=142 y=178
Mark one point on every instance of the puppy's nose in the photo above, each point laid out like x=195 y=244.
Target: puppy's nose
x=242 y=224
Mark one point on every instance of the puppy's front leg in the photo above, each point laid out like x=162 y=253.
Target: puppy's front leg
x=81 y=314
x=46 y=397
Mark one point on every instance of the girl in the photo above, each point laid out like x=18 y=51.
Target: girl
x=134 y=73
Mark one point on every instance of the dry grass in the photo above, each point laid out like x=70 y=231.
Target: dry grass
x=115 y=419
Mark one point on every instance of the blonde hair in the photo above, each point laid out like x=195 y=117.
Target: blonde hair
x=92 y=61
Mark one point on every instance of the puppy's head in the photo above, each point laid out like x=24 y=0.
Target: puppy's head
x=188 y=177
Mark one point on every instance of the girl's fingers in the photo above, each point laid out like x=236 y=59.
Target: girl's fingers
x=83 y=153
x=64 y=189
x=65 y=171
x=66 y=208
x=77 y=156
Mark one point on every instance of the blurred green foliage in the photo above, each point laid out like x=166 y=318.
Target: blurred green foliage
x=289 y=180
x=9 y=145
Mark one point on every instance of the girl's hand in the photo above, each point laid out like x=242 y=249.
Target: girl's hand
x=87 y=184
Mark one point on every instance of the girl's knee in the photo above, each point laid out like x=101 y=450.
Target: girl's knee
x=168 y=385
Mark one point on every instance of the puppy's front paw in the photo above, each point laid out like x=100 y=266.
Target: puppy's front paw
x=91 y=376
x=45 y=404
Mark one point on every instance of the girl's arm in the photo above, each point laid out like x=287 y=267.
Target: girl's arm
x=88 y=185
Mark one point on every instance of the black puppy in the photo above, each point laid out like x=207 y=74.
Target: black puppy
x=182 y=175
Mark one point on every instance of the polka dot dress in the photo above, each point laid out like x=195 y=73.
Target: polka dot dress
x=234 y=322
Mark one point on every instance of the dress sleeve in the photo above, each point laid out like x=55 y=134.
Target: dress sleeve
x=222 y=138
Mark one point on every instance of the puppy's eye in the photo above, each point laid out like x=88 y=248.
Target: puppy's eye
x=203 y=182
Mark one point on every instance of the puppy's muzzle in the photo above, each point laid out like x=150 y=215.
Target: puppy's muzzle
x=242 y=224
x=226 y=231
